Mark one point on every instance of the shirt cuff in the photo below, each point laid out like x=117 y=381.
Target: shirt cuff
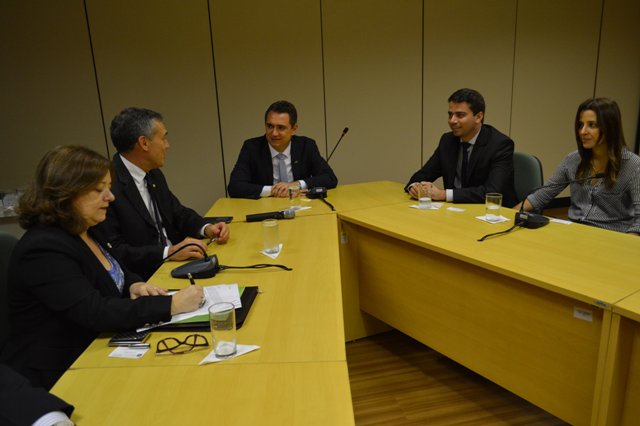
x=202 y=230
x=303 y=184
x=165 y=252
x=53 y=418
x=449 y=195
x=266 y=191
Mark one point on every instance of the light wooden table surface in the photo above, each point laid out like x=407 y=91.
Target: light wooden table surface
x=343 y=198
x=297 y=317
x=298 y=376
x=590 y=264
x=530 y=310
x=222 y=394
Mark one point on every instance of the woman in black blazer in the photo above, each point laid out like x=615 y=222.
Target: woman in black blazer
x=64 y=286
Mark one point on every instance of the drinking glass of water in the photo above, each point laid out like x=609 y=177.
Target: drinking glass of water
x=493 y=202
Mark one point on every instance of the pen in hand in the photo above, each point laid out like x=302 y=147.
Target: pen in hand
x=193 y=282
x=212 y=240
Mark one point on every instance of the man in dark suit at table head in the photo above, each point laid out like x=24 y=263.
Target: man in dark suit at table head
x=269 y=164
x=473 y=159
x=146 y=222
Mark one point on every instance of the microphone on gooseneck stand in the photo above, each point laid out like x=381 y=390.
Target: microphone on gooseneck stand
x=534 y=220
x=320 y=191
x=344 y=132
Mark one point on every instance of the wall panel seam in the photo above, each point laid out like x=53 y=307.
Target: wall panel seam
x=324 y=86
x=599 y=46
x=216 y=93
x=95 y=76
x=513 y=66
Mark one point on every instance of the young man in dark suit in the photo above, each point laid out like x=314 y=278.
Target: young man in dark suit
x=488 y=166
x=146 y=222
x=269 y=164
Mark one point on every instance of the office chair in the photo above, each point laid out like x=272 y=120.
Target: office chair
x=527 y=173
x=7 y=242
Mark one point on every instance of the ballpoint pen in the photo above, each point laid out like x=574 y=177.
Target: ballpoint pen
x=193 y=282
x=211 y=240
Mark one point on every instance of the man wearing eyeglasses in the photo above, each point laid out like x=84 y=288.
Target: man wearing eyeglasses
x=147 y=223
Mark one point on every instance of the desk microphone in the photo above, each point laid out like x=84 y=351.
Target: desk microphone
x=344 y=132
x=283 y=214
x=206 y=267
x=320 y=191
x=534 y=220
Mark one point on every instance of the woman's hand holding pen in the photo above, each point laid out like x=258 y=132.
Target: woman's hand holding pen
x=186 y=300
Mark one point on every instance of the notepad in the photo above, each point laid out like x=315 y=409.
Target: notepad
x=201 y=322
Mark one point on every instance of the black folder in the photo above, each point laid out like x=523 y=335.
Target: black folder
x=202 y=322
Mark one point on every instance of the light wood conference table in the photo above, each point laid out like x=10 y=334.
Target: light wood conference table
x=298 y=376
x=297 y=317
x=619 y=403
x=531 y=310
x=227 y=394
x=545 y=313
x=343 y=198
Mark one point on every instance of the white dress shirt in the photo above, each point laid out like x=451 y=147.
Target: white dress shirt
x=266 y=190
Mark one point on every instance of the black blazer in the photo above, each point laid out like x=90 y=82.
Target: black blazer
x=22 y=404
x=60 y=298
x=131 y=231
x=254 y=168
x=490 y=167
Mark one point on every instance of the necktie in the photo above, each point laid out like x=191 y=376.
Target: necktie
x=465 y=164
x=282 y=168
x=156 y=212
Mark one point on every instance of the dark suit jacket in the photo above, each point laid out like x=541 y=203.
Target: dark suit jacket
x=23 y=404
x=60 y=298
x=490 y=167
x=131 y=231
x=254 y=168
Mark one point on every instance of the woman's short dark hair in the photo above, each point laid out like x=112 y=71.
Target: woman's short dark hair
x=609 y=123
x=63 y=174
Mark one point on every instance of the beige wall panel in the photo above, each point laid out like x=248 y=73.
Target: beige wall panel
x=47 y=85
x=555 y=65
x=619 y=61
x=467 y=44
x=158 y=55
x=373 y=62
x=267 y=51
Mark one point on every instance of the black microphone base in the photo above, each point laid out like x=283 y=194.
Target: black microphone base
x=199 y=268
x=530 y=220
x=317 y=192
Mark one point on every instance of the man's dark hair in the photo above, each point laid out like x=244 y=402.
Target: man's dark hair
x=283 y=107
x=470 y=96
x=130 y=124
